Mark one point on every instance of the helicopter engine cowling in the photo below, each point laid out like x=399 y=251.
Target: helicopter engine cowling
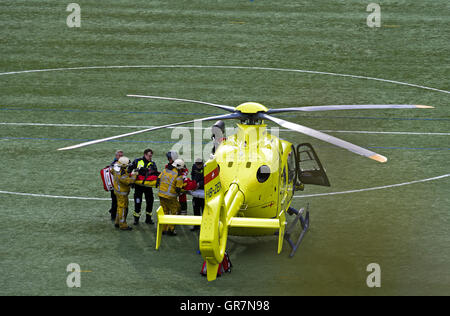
x=255 y=158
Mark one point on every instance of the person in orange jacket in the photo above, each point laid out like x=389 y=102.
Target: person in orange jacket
x=184 y=172
x=113 y=209
x=170 y=183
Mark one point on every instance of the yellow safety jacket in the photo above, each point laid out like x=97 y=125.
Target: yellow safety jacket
x=149 y=165
x=169 y=181
x=122 y=181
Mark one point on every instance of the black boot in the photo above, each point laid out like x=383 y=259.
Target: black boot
x=148 y=219
x=136 y=220
x=171 y=232
x=113 y=214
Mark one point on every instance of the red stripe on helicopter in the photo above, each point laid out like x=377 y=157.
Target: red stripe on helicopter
x=212 y=175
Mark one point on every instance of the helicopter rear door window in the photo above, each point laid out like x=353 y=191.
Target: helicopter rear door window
x=310 y=169
x=291 y=166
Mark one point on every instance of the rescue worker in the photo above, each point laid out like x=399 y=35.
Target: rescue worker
x=146 y=167
x=218 y=135
x=113 y=209
x=198 y=203
x=122 y=182
x=182 y=198
x=170 y=185
x=172 y=156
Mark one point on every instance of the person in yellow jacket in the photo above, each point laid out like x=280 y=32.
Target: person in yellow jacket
x=122 y=182
x=170 y=185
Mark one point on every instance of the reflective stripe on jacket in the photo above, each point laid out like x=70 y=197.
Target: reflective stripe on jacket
x=122 y=181
x=144 y=163
x=169 y=181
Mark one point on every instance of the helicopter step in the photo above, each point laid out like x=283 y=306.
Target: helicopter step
x=304 y=222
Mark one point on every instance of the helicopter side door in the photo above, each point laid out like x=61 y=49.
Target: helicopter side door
x=309 y=168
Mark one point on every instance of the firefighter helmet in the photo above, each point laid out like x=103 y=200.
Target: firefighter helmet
x=123 y=162
x=179 y=164
x=172 y=155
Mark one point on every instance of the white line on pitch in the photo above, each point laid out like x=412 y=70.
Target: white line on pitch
x=389 y=133
x=226 y=67
x=297 y=196
x=375 y=188
x=191 y=128
x=60 y=196
x=55 y=196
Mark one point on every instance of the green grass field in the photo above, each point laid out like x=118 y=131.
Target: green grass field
x=205 y=50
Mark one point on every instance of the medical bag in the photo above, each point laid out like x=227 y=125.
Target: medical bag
x=107 y=178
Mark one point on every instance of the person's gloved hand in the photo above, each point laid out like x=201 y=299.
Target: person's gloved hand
x=143 y=171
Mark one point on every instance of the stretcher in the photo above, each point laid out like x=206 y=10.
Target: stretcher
x=197 y=194
x=149 y=181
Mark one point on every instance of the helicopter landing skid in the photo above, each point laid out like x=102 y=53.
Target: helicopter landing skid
x=304 y=222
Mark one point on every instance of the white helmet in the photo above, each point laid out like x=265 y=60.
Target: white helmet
x=179 y=164
x=172 y=155
x=123 y=162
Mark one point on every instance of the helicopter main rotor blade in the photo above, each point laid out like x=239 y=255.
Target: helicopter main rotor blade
x=327 y=138
x=220 y=106
x=97 y=141
x=348 y=107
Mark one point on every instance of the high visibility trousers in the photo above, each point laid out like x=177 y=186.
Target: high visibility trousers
x=122 y=211
x=170 y=207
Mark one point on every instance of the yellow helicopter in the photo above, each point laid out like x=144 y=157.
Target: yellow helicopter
x=251 y=178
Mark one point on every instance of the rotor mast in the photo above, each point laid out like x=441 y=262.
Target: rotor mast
x=250 y=113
